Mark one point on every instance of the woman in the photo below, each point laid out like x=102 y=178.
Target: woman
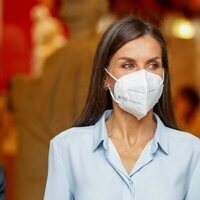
x=125 y=144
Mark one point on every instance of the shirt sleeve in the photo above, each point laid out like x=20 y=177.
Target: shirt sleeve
x=57 y=186
x=194 y=187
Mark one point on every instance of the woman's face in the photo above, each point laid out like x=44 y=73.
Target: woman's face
x=142 y=53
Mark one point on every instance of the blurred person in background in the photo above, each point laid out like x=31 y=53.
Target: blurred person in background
x=187 y=109
x=2 y=185
x=47 y=105
x=8 y=143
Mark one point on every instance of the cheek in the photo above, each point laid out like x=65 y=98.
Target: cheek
x=111 y=82
x=160 y=72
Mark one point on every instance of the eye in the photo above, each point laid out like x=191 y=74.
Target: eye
x=154 y=65
x=128 y=66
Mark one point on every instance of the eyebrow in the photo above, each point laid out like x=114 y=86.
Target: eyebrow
x=132 y=60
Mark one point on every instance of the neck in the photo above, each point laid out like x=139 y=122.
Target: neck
x=128 y=129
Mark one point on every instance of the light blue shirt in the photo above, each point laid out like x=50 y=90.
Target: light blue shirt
x=85 y=165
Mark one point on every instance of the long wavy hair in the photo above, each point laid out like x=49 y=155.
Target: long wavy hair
x=116 y=36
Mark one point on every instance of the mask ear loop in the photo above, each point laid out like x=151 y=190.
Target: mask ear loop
x=163 y=78
x=112 y=75
x=111 y=93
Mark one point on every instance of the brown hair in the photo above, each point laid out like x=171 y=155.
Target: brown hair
x=117 y=35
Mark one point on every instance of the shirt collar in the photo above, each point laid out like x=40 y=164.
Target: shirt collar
x=160 y=138
x=100 y=131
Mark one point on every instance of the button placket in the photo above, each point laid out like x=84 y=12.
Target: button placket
x=128 y=193
x=131 y=187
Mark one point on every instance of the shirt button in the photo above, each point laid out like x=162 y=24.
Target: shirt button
x=131 y=183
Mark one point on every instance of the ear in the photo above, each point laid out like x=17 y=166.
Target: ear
x=106 y=83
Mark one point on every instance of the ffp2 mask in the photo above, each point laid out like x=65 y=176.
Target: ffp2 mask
x=137 y=92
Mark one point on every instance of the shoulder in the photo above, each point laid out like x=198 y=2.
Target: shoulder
x=176 y=139
x=183 y=141
x=183 y=136
x=73 y=136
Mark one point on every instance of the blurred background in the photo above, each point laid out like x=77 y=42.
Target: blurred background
x=46 y=53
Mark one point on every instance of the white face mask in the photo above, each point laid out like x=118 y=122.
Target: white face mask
x=137 y=92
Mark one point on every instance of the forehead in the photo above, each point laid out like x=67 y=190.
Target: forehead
x=142 y=47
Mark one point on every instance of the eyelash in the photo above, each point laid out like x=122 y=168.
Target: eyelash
x=154 y=65
x=130 y=66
